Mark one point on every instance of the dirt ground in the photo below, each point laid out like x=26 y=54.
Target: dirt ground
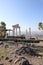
x=12 y=57
x=39 y=44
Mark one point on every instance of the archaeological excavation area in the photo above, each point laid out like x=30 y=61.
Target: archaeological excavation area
x=18 y=49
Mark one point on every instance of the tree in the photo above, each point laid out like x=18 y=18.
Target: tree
x=40 y=25
x=3 y=29
x=3 y=25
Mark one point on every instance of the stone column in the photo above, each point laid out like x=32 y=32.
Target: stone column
x=30 y=32
x=26 y=34
x=16 y=31
x=19 y=31
x=9 y=32
x=13 y=31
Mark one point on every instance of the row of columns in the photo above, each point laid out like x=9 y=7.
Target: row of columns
x=28 y=36
x=15 y=32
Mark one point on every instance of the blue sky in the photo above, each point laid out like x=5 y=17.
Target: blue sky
x=27 y=13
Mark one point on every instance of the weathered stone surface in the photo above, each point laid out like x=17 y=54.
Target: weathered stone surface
x=26 y=49
x=25 y=63
x=6 y=46
x=10 y=60
x=22 y=61
x=7 y=58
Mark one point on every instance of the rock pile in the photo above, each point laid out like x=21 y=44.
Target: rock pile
x=10 y=60
x=22 y=61
x=26 y=49
x=7 y=58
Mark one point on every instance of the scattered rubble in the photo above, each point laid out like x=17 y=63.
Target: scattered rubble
x=22 y=61
x=26 y=49
x=7 y=58
x=10 y=60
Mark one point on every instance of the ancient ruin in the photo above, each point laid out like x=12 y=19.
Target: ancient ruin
x=15 y=27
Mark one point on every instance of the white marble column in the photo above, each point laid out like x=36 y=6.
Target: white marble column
x=16 y=31
x=19 y=31
x=13 y=31
x=9 y=32
x=30 y=32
